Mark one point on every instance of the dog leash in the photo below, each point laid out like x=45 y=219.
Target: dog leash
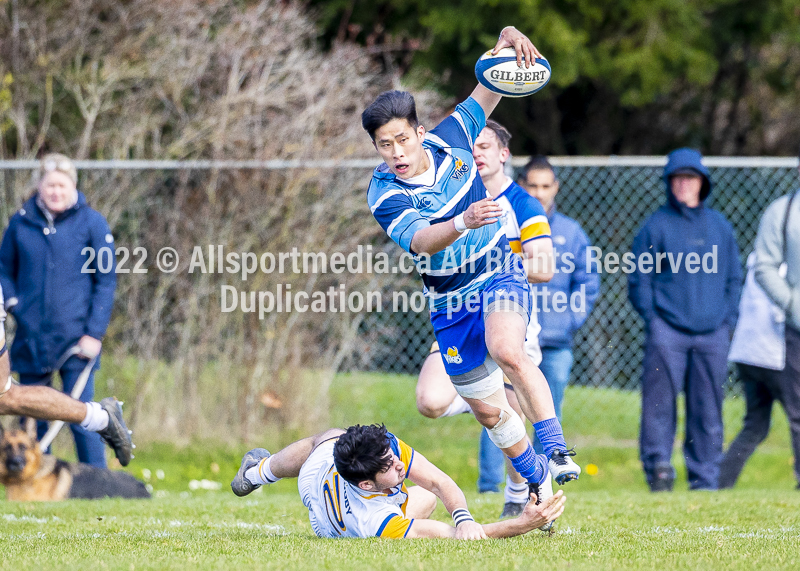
x=77 y=390
x=71 y=352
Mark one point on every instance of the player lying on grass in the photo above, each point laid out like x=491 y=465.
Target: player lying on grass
x=353 y=484
x=429 y=199
x=46 y=403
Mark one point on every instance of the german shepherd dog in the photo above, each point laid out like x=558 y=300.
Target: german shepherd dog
x=29 y=475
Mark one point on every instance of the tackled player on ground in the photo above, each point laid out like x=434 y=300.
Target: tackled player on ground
x=353 y=484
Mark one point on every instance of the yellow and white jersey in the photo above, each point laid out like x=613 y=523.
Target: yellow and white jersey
x=336 y=508
x=523 y=218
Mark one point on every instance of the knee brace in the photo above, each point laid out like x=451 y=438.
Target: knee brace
x=510 y=429
x=485 y=383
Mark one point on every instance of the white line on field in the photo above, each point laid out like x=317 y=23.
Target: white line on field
x=153 y=522
x=28 y=519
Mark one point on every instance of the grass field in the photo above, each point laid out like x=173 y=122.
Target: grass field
x=611 y=522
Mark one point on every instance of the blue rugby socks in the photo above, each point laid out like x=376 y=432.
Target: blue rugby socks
x=530 y=465
x=550 y=435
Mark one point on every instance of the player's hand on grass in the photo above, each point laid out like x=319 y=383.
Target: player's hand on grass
x=470 y=530
x=547 y=511
x=481 y=213
x=511 y=37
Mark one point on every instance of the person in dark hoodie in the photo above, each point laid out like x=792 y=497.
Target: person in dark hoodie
x=57 y=270
x=689 y=302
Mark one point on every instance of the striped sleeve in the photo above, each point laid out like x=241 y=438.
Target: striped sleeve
x=396 y=214
x=531 y=217
x=534 y=228
x=394 y=527
x=464 y=125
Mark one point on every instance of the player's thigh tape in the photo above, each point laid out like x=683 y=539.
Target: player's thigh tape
x=510 y=305
x=480 y=382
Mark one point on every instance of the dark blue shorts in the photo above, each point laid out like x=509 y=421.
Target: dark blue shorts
x=460 y=329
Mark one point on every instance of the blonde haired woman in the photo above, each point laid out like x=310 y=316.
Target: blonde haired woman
x=57 y=271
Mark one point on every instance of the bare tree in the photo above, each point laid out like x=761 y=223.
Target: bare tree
x=153 y=79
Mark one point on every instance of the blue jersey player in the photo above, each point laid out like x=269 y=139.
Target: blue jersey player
x=428 y=197
x=528 y=232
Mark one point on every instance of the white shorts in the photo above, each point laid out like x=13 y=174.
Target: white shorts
x=308 y=481
x=532 y=347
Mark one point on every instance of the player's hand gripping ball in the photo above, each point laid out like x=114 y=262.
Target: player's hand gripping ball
x=499 y=73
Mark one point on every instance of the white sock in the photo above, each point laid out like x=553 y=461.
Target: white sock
x=261 y=473
x=458 y=406
x=96 y=418
x=516 y=493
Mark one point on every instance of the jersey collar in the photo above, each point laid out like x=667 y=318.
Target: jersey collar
x=506 y=185
x=382 y=171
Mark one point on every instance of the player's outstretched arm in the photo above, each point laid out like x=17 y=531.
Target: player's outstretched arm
x=428 y=476
x=510 y=37
x=532 y=517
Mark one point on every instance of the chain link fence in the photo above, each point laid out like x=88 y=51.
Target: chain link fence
x=609 y=196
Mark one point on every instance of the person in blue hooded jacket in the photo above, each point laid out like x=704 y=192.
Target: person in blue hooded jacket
x=57 y=270
x=686 y=288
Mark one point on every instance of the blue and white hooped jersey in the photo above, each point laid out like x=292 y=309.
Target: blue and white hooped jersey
x=463 y=268
x=344 y=510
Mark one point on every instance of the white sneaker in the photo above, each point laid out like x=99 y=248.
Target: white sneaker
x=562 y=468
x=545 y=492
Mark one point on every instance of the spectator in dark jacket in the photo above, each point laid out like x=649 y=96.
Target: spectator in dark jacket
x=57 y=270
x=558 y=317
x=686 y=288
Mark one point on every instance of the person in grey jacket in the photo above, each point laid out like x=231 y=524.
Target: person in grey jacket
x=782 y=285
x=759 y=352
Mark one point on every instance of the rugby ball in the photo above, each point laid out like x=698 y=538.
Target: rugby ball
x=500 y=73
